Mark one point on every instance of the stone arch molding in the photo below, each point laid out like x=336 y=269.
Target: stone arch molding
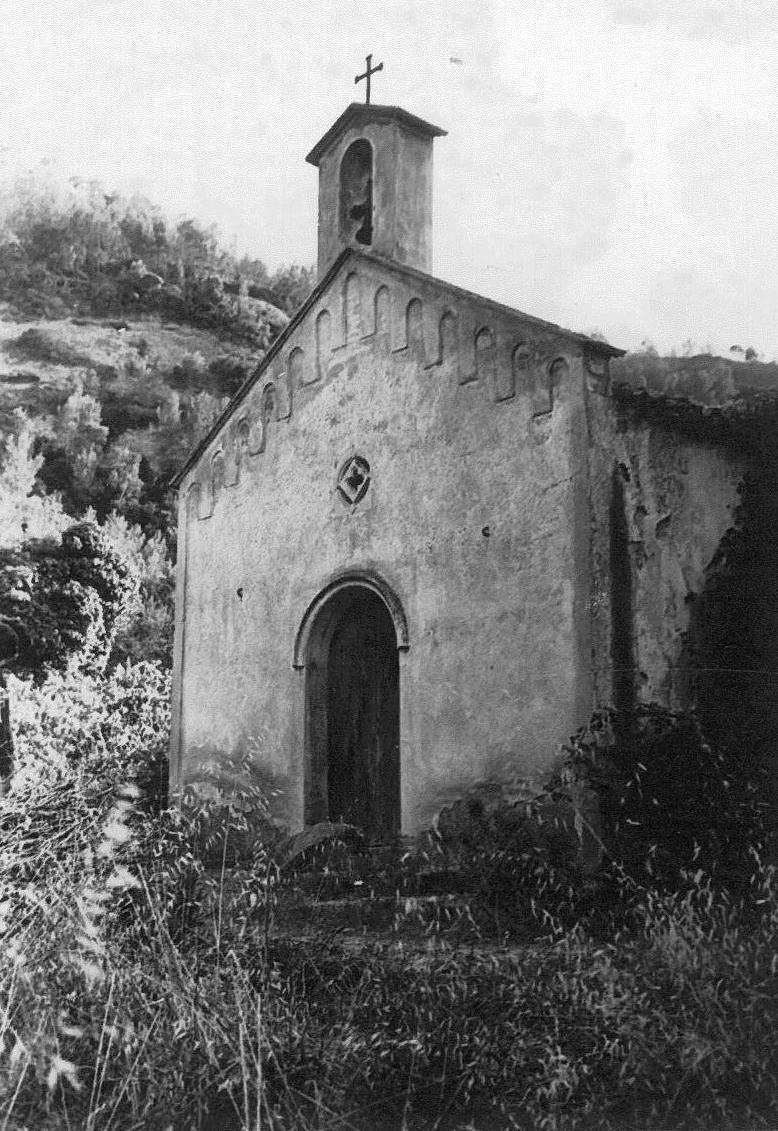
x=352 y=579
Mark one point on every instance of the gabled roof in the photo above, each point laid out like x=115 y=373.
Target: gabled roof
x=604 y=349
x=251 y=380
x=704 y=397
x=707 y=380
x=360 y=114
x=595 y=344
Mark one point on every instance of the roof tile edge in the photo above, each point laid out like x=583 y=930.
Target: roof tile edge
x=374 y=112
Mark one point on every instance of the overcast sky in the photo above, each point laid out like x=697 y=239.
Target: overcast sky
x=610 y=164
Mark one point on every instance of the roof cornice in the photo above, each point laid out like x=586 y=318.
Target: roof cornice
x=360 y=114
x=593 y=344
x=251 y=380
x=602 y=349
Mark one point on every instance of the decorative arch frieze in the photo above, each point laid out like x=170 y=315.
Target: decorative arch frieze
x=414 y=330
x=259 y=427
x=382 y=312
x=448 y=357
x=268 y=406
x=323 y=343
x=283 y=395
x=218 y=475
x=241 y=446
x=231 y=469
x=296 y=368
x=520 y=365
x=193 y=499
x=485 y=366
x=352 y=309
x=448 y=338
x=554 y=377
x=557 y=372
x=503 y=374
x=539 y=387
x=466 y=350
x=206 y=493
x=257 y=436
x=506 y=363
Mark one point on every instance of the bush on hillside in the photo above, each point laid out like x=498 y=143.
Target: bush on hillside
x=145 y=628
x=80 y=248
x=641 y=800
x=64 y=601
x=519 y=860
x=57 y=467
x=290 y=286
x=95 y=732
x=24 y=511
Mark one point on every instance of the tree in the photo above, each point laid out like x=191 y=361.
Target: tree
x=63 y=601
x=25 y=511
x=291 y=286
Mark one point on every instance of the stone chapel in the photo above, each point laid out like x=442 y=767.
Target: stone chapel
x=428 y=535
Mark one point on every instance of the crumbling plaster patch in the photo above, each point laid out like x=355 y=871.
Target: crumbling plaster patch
x=680 y=495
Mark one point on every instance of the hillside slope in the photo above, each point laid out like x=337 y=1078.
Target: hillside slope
x=113 y=406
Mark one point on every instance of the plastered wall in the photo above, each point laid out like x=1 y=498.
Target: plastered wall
x=662 y=501
x=472 y=420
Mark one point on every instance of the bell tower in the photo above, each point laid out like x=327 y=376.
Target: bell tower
x=375 y=185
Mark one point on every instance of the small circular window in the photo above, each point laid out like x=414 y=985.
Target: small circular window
x=354 y=479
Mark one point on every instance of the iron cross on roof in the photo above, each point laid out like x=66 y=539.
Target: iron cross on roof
x=370 y=70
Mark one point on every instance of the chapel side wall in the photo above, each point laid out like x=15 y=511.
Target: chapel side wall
x=664 y=500
x=681 y=499
x=476 y=517
x=601 y=461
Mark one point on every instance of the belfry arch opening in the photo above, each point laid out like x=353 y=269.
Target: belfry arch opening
x=356 y=193
x=348 y=646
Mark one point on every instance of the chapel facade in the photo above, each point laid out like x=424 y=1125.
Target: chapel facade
x=425 y=539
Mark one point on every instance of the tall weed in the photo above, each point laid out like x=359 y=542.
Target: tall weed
x=141 y=986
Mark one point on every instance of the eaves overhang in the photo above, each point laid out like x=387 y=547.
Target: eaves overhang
x=360 y=114
x=594 y=345
x=252 y=379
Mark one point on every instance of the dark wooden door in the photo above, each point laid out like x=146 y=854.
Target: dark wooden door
x=363 y=719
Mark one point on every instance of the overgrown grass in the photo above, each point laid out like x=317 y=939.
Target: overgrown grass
x=141 y=988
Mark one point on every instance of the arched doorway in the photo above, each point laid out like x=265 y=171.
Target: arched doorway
x=350 y=654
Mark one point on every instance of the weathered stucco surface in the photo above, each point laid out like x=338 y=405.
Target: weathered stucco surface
x=472 y=421
x=665 y=501
x=672 y=454
x=694 y=445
